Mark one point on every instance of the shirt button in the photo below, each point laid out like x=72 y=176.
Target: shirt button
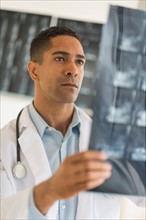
x=63 y=206
x=50 y=129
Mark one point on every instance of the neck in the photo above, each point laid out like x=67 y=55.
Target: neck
x=57 y=115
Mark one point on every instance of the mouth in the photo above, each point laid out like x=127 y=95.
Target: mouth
x=72 y=85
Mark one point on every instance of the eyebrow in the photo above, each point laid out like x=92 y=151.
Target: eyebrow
x=66 y=53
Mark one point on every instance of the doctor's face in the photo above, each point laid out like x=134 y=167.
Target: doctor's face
x=59 y=76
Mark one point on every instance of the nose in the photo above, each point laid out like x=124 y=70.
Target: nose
x=71 y=69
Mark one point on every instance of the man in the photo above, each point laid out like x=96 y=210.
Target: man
x=51 y=132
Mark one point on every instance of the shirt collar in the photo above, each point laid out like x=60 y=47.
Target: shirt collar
x=41 y=125
x=38 y=121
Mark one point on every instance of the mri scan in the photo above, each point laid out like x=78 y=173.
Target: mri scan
x=119 y=106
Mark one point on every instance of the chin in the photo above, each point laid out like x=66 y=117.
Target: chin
x=69 y=100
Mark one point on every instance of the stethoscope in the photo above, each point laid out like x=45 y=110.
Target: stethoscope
x=19 y=170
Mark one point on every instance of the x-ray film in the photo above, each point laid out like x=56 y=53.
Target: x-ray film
x=119 y=112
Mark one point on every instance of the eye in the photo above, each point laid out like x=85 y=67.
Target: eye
x=60 y=59
x=80 y=62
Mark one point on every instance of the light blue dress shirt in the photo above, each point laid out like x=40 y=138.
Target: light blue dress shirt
x=57 y=148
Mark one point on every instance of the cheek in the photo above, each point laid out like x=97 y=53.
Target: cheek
x=81 y=76
x=44 y=79
x=45 y=75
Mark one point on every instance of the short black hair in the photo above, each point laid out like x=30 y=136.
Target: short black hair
x=42 y=42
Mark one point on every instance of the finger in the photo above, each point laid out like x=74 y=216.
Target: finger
x=91 y=155
x=90 y=176
x=87 y=176
x=93 y=184
x=86 y=166
x=88 y=185
x=87 y=155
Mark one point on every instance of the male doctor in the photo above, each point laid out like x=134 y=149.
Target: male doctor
x=53 y=137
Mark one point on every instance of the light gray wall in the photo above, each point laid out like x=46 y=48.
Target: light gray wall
x=92 y=11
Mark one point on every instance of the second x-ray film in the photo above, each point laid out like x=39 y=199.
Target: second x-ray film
x=119 y=112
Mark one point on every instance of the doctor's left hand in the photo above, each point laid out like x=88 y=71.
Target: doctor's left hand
x=79 y=172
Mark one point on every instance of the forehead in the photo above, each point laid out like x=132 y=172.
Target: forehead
x=66 y=43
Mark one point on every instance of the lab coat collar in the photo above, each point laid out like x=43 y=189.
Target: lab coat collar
x=85 y=130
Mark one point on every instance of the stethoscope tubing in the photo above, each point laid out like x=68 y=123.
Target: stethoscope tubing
x=19 y=170
x=17 y=137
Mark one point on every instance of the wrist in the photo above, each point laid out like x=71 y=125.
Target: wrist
x=44 y=197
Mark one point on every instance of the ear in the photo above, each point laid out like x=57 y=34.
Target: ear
x=33 y=70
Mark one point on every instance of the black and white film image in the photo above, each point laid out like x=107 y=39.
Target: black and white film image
x=119 y=112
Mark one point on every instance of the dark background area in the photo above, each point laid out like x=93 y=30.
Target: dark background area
x=17 y=31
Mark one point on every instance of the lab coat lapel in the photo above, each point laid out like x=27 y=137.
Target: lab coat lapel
x=85 y=199
x=33 y=149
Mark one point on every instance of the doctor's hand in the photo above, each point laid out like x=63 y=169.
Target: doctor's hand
x=82 y=171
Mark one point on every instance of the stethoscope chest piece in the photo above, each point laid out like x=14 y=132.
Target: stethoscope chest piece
x=19 y=170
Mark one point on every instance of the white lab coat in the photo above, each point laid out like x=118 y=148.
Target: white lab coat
x=16 y=192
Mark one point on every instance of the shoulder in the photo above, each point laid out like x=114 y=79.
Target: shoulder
x=10 y=127
x=8 y=132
